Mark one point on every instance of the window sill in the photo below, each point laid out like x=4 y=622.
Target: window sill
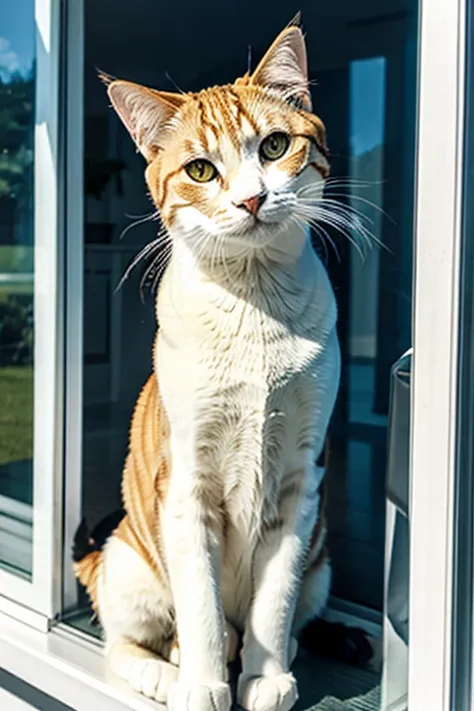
x=66 y=667
x=69 y=665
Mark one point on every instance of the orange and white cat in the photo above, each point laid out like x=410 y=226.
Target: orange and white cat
x=224 y=531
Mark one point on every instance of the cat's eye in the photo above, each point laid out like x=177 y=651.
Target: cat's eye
x=201 y=170
x=274 y=146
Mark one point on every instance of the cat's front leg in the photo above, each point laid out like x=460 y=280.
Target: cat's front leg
x=192 y=536
x=266 y=683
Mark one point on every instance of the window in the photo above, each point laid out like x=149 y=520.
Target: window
x=365 y=89
x=69 y=378
x=30 y=380
x=17 y=121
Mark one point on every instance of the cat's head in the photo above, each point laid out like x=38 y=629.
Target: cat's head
x=230 y=163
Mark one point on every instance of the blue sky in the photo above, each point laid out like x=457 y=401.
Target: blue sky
x=17 y=35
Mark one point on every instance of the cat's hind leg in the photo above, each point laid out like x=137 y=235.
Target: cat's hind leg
x=136 y=612
x=314 y=592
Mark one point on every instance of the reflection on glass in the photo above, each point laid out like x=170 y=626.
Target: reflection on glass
x=375 y=148
x=17 y=117
x=358 y=503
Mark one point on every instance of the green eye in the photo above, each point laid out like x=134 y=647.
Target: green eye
x=200 y=170
x=274 y=146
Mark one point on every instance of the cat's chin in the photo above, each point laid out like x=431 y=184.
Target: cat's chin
x=258 y=232
x=244 y=243
x=264 y=234
x=278 y=239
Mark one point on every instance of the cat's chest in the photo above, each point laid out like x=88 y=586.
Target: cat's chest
x=251 y=347
x=227 y=342
x=249 y=388
x=244 y=381
x=221 y=356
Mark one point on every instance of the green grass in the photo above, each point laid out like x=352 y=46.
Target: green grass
x=16 y=413
x=16 y=259
x=19 y=289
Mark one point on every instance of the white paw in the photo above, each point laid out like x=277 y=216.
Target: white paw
x=267 y=693
x=152 y=677
x=201 y=697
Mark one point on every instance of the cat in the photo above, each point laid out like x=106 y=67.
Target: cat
x=224 y=531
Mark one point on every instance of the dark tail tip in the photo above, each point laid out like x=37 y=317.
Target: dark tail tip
x=106 y=527
x=83 y=543
x=335 y=640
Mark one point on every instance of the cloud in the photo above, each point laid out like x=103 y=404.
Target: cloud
x=9 y=60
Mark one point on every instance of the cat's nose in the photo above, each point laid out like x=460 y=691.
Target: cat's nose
x=254 y=203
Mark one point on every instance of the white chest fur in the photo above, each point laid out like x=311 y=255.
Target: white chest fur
x=251 y=375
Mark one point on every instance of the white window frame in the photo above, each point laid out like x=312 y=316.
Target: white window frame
x=74 y=296
x=42 y=594
x=435 y=364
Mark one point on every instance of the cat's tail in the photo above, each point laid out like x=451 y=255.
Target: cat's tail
x=87 y=559
x=87 y=551
x=338 y=641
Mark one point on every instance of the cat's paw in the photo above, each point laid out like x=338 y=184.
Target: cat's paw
x=200 y=697
x=267 y=693
x=152 y=678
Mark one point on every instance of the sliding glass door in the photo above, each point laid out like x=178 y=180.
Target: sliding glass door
x=380 y=84
x=30 y=306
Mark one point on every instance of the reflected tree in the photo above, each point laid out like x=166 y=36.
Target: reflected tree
x=17 y=96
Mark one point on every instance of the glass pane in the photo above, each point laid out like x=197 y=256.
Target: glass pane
x=362 y=64
x=17 y=119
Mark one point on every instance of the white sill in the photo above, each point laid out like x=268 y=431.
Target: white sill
x=68 y=668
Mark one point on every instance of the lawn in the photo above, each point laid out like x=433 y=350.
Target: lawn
x=16 y=413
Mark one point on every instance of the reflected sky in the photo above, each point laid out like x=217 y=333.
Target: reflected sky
x=17 y=36
x=367 y=104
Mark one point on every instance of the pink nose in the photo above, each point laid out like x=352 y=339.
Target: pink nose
x=253 y=204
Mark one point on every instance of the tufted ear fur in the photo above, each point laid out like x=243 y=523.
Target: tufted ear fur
x=284 y=67
x=144 y=112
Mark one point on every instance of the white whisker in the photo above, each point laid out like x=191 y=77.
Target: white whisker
x=155 y=270
x=146 y=218
x=162 y=240
x=366 y=201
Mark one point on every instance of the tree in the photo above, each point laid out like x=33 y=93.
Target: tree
x=17 y=106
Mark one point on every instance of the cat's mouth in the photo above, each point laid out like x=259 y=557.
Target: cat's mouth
x=265 y=222
x=258 y=233
x=253 y=222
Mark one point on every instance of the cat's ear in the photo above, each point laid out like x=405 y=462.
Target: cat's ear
x=144 y=112
x=285 y=67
